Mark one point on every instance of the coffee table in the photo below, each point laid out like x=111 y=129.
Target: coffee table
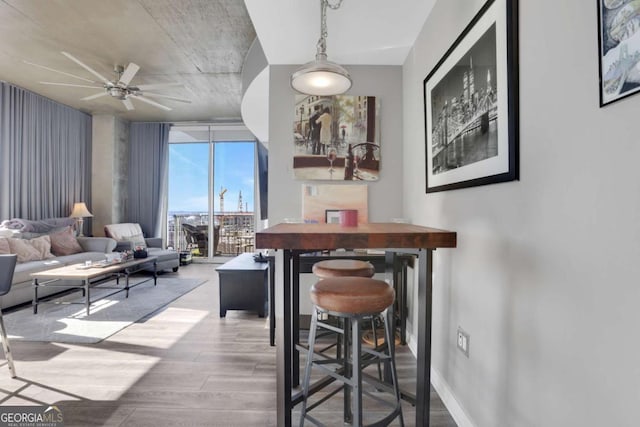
x=91 y=276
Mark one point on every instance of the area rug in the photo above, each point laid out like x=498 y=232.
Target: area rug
x=70 y=323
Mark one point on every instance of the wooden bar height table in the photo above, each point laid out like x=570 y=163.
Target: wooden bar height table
x=291 y=240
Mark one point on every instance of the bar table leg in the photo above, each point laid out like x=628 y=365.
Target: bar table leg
x=425 y=288
x=284 y=335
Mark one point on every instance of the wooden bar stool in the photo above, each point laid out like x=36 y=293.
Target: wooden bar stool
x=348 y=268
x=353 y=299
x=343 y=267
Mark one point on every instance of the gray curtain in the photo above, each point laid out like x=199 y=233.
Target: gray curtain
x=45 y=156
x=263 y=179
x=148 y=165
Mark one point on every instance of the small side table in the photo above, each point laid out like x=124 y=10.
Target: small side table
x=243 y=285
x=185 y=258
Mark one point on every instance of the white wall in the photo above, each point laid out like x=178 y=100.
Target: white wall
x=285 y=193
x=545 y=276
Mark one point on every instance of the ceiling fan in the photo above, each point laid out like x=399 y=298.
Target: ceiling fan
x=119 y=88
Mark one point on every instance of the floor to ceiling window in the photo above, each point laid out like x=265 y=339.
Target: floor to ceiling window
x=211 y=192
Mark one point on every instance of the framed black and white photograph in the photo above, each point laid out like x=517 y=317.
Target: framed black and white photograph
x=471 y=104
x=619 y=49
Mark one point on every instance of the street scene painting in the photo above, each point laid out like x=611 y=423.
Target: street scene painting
x=336 y=138
x=619 y=42
x=470 y=108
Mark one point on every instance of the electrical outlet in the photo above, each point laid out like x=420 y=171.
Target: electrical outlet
x=463 y=341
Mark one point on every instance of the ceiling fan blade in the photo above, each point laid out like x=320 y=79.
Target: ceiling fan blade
x=150 y=102
x=86 y=67
x=128 y=74
x=71 y=84
x=58 y=71
x=128 y=104
x=158 y=85
x=97 y=95
x=158 y=95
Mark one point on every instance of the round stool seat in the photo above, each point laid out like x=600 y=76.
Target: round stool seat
x=342 y=268
x=352 y=295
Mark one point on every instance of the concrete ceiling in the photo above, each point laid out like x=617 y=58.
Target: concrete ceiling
x=200 y=43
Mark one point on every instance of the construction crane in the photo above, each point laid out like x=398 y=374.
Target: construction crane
x=222 y=191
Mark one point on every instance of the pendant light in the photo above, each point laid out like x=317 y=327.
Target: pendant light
x=322 y=77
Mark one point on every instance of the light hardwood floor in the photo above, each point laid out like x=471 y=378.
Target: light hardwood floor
x=181 y=366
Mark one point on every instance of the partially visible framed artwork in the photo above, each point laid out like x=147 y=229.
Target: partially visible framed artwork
x=619 y=49
x=332 y=216
x=471 y=104
x=336 y=138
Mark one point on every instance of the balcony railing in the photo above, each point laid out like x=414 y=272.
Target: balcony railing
x=233 y=233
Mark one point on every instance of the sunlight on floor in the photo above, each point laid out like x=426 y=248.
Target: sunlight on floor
x=75 y=380
x=96 y=306
x=181 y=320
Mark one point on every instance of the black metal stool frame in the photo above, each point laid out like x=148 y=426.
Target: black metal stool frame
x=351 y=377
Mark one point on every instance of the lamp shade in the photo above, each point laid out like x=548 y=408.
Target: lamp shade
x=80 y=211
x=321 y=77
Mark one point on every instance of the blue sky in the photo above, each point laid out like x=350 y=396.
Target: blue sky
x=188 y=175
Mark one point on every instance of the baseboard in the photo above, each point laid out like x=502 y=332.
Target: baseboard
x=444 y=391
x=448 y=398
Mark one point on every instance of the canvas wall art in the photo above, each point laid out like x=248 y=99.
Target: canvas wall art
x=336 y=138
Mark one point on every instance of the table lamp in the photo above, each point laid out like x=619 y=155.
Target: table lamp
x=80 y=212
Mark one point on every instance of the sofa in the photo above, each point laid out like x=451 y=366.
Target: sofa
x=129 y=236
x=90 y=248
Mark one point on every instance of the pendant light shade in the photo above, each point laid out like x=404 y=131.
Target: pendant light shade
x=322 y=77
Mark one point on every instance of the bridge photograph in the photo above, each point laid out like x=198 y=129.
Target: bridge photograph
x=471 y=105
x=464 y=111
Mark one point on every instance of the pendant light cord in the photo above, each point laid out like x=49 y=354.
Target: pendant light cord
x=322 y=42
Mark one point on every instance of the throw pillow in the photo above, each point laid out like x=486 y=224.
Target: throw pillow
x=43 y=245
x=31 y=250
x=33 y=235
x=4 y=246
x=65 y=243
x=137 y=241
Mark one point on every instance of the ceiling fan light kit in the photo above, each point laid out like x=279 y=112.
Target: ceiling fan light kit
x=322 y=77
x=117 y=92
x=119 y=88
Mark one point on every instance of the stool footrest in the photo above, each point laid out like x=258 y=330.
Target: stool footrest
x=377 y=354
x=332 y=373
x=330 y=327
x=305 y=349
x=377 y=383
x=327 y=397
x=320 y=353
